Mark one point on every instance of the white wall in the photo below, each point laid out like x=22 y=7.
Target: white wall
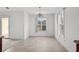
x=71 y=28
x=49 y=26
x=16 y=24
x=26 y=25
x=55 y=26
x=0 y=26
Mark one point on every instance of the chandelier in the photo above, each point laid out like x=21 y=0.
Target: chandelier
x=39 y=15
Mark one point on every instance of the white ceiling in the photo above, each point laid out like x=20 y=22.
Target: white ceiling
x=33 y=10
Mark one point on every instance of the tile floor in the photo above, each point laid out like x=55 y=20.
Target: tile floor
x=37 y=44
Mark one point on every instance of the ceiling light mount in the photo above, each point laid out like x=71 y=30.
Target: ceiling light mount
x=39 y=15
x=7 y=7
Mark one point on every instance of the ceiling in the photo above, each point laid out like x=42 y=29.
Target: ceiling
x=32 y=10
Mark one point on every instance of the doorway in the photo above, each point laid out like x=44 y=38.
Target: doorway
x=5 y=26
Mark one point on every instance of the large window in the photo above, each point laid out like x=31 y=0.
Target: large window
x=61 y=23
x=41 y=24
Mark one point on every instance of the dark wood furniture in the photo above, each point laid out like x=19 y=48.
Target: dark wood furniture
x=77 y=45
x=0 y=43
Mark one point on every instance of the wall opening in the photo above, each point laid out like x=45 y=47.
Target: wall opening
x=5 y=26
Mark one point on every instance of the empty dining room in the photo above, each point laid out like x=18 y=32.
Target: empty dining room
x=39 y=29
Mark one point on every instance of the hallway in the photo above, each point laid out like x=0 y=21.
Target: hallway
x=37 y=44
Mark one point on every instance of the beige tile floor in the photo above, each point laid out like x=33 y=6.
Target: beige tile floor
x=37 y=44
x=7 y=43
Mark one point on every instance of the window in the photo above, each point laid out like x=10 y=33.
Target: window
x=41 y=24
x=61 y=23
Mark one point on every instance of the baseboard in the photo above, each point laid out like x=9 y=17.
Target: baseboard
x=27 y=38
x=42 y=36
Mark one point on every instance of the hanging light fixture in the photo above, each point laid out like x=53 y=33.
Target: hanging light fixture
x=40 y=16
x=7 y=7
